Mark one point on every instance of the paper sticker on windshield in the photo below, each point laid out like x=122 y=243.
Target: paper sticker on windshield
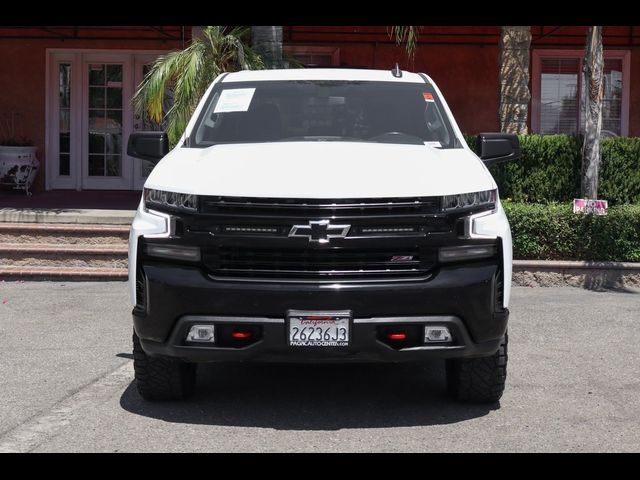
x=433 y=144
x=428 y=97
x=234 y=100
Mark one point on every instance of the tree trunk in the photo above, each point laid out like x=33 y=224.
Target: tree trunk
x=267 y=41
x=592 y=70
x=513 y=107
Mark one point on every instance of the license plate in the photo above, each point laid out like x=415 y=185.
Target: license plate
x=319 y=329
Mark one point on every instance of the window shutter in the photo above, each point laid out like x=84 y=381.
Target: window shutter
x=612 y=101
x=559 y=91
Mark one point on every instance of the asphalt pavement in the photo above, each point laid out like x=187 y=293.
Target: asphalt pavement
x=66 y=385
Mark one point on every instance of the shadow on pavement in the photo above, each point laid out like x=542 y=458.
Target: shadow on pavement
x=313 y=397
x=608 y=281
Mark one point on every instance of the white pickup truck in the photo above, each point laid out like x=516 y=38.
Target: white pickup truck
x=315 y=215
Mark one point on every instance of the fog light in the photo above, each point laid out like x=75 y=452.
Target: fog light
x=397 y=336
x=201 y=333
x=241 y=334
x=437 y=334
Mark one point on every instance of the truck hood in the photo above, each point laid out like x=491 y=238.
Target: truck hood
x=320 y=170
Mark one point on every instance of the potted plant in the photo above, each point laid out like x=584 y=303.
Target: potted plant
x=18 y=162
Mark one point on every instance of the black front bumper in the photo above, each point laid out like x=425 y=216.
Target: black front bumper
x=461 y=297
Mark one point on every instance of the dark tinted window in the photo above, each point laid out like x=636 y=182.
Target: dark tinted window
x=278 y=111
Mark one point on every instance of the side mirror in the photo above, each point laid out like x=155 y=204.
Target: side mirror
x=497 y=147
x=151 y=146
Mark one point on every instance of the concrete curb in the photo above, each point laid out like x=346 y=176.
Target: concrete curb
x=70 y=249
x=590 y=275
x=67 y=215
x=63 y=228
x=66 y=273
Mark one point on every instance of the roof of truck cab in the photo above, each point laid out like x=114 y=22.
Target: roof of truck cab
x=322 y=74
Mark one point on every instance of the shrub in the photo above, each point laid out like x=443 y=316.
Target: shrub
x=549 y=170
x=620 y=170
x=554 y=232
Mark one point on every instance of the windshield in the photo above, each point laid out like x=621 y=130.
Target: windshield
x=318 y=110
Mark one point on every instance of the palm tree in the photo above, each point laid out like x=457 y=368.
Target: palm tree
x=407 y=35
x=189 y=72
x=593 y=84
x=513 y=79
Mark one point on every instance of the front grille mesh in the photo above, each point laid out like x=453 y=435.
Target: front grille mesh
x=317 y=263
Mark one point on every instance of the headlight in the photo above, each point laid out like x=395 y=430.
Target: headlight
x=486 y=198
x=177 y=201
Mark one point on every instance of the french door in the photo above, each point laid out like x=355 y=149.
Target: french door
x=90 y=116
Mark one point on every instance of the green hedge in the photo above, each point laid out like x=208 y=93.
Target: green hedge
x=554 y=232
x=620 y=170
x=549 y=170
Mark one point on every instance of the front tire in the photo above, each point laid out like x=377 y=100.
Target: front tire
x=159 y=378
x=480 y=380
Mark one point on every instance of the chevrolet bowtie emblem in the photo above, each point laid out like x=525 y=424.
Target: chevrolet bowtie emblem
x=320 y=231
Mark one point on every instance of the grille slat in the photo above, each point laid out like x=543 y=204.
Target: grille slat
x=272 y=207
x=324 y=254
x=313 y=262
x=318 y=273
x=316 y=265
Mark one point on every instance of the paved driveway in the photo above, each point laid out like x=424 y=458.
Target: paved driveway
x=66 y=385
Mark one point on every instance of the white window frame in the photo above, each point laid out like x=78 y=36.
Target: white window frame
x=536 y=81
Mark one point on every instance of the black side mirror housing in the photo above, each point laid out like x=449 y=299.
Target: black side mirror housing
x=497 y=147
x=151 y=146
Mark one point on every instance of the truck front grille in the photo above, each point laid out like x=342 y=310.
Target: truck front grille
x=313 y=263
x=280 y=239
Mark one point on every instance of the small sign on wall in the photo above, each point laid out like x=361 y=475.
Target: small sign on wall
x=597 y=207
